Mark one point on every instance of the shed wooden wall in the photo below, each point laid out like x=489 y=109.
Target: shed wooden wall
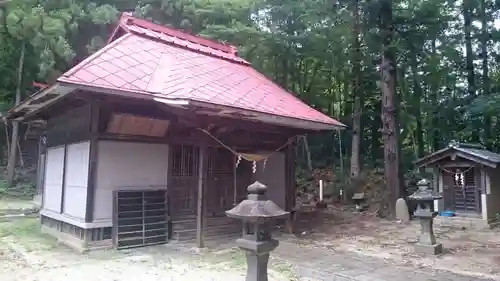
x=492 y=192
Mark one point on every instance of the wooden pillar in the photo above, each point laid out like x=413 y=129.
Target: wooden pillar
x=235 y=182
x=291 y=188
x=40 y=171
x=64 y=176
x=200 y=214
x=94 y=134
x=290 y=161
x=39 y=167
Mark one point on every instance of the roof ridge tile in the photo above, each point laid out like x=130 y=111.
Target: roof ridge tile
x=176 y=37
x=128 y=18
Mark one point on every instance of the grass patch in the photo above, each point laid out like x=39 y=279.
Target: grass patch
x=235 y=259
x=14 y=205
x=20 y=227
x=287 y=271
x=230 y=258
x=27 y=233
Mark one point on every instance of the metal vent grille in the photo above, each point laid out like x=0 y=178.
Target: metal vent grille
x=140 y=218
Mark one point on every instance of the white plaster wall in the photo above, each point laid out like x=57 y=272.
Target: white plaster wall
x=76 y=179
x=127 y=165
x=273 y=176
x=53 y=179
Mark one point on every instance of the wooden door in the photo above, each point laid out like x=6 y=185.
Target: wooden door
x=220 y=181
x=462 y=198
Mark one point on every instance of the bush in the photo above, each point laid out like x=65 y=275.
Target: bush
x=3 y=187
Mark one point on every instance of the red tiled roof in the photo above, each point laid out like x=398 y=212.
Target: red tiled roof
x=152 y=59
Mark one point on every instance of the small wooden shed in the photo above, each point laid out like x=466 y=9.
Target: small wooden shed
x=468 y=177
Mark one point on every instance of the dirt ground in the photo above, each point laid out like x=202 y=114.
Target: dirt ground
x=8 y=205
x=467 y=251
x=28 y=255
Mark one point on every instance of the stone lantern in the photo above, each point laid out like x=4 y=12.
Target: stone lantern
x=424 y=199
x=257 y=214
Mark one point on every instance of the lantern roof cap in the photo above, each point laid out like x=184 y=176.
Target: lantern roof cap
x=257 y=188
x=256 y=208
x=424 y=193
x=424 y=182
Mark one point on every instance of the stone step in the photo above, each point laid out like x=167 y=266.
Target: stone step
x=471 y=223
x=210 y=231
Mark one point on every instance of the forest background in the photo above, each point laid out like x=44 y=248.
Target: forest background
x=406 y=77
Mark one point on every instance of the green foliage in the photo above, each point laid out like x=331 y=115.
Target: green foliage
x=3 y=188
x=104 y=14
x=305 y=46
x=26 y=232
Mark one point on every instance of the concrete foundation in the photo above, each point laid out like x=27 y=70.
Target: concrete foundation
x=37 y=201
x=467 y=222
x=435 y=249
x=66 y=239
x=76 y=243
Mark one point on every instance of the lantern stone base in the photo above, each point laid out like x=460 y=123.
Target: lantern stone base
x=257 y=246
x=256 y=266
x=257 y=254
x=427 y=249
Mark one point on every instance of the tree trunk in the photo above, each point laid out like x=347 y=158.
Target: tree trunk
x=469 y=60
x=417 y=111
x=347 y=106
x=357 y=94
x=11 y=165
x=435 y=139
x=308 y=153
x=485 y=38
x=6 y=128
x=390 y=126
x=375 y=124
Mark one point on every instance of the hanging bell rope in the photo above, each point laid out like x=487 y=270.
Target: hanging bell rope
x=459 y=177
x=251 y=157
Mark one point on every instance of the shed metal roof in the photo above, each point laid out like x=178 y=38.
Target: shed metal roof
x=471 y=152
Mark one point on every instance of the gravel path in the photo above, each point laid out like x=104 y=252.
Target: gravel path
x=151 y=265
x=321 y=265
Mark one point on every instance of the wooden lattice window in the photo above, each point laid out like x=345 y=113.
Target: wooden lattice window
x=184 y=160
x=183 y=180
